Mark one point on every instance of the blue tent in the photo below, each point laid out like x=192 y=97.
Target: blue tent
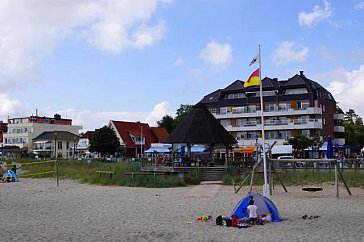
x=264 y=205
x=10 y=173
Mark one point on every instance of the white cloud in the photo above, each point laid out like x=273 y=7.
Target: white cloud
x=347 y=88
x=159 y=110
x=90 y=120
x=178 y=61
x=289 y=51
x=314 y=17
x=8 y=106
x=216 y=54
x=359 y=6
x=31 y=29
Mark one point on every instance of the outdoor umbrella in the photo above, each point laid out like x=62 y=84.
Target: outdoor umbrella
x=329 y=150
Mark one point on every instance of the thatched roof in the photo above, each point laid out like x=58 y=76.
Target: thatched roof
x=200 y=127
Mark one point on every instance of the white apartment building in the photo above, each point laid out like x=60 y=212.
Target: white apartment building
x=22 y=131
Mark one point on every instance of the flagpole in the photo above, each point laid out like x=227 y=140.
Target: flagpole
x=265 y=186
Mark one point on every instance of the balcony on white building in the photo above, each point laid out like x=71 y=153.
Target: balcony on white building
x=339 y=141
x=242 y=113
x=277 y=125
x=339 y=129
x=338 y=116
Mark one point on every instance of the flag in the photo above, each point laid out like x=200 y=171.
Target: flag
x=254 y=60
x=253 y=80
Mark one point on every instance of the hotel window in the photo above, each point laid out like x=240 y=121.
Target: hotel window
x=67 y=145
x=252 y=108
x=213 y=110
x=270 y=107
x=323 y=108
x=59 y=145
x=223 y=110
x=296 y=91
x=225 y=122
x=284 y=106
x=239 y=123
x=302 y=105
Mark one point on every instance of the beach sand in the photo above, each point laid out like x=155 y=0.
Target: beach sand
x=38 y=210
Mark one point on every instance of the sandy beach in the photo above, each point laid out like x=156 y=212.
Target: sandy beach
x=38 y=210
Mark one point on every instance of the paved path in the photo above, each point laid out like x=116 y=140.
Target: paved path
x=204 y=190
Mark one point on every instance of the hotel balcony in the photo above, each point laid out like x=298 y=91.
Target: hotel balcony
x=338 y=116
x=272 y=113
x=339 y=129
x=339 y=141
x=251 y=142
x=277 y=125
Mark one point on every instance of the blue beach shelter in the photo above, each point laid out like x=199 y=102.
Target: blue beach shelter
x=10 y=173
x=265 y=206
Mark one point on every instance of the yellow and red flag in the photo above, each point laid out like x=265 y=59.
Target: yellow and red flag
x=253 y=80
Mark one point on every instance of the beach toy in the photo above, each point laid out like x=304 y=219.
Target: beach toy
x=204 y=217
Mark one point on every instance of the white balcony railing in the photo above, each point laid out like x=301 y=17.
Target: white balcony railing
x=339 y=129
x=338 y=116
x=274 y=112
x=270 y=125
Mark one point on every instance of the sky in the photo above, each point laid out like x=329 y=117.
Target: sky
x=98 y=60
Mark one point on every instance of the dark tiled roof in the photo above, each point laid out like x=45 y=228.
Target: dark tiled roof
x=212 y=97
x=200 y=127
x=236 y=85
x=61 y=135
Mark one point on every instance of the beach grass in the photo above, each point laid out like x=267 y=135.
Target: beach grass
x=86 y=173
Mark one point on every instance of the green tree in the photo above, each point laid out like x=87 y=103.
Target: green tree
x=171 y=123
x=299 y=144
x=354 y=129
x=167 y=122
x=104 y=141
x=182 y=112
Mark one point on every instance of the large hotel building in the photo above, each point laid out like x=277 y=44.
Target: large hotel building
x=297 y=106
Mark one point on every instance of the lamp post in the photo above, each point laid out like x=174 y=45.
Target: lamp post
x=55 y=151
x=256 y=146
x=74 y=147
x=141 y=138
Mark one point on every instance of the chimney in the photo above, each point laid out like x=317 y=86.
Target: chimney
x=301 y=73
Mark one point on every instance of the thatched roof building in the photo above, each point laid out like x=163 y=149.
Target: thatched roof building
x=200 y=127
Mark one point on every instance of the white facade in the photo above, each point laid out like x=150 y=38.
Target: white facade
x=22 y=132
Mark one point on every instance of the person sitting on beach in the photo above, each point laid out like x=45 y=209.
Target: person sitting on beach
x=267 y=218
x=252 y=211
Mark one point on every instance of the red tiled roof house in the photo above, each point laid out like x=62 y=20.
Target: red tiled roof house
x=137 y=137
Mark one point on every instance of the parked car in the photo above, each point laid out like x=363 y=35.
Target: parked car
x=286 y=157
x=298 y=164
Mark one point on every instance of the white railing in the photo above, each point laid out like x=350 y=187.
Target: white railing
x=340 y=129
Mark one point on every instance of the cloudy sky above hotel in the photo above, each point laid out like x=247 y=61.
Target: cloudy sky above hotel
x=97 y=60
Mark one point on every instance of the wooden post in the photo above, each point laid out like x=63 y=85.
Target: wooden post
x=226 y=156
x=336 y=180
x=270 y=178
x=342 y=178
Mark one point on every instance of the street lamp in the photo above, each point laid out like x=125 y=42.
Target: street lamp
x=74 y=147
x=55 y=151
x=141 y=138
x=256 y=146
